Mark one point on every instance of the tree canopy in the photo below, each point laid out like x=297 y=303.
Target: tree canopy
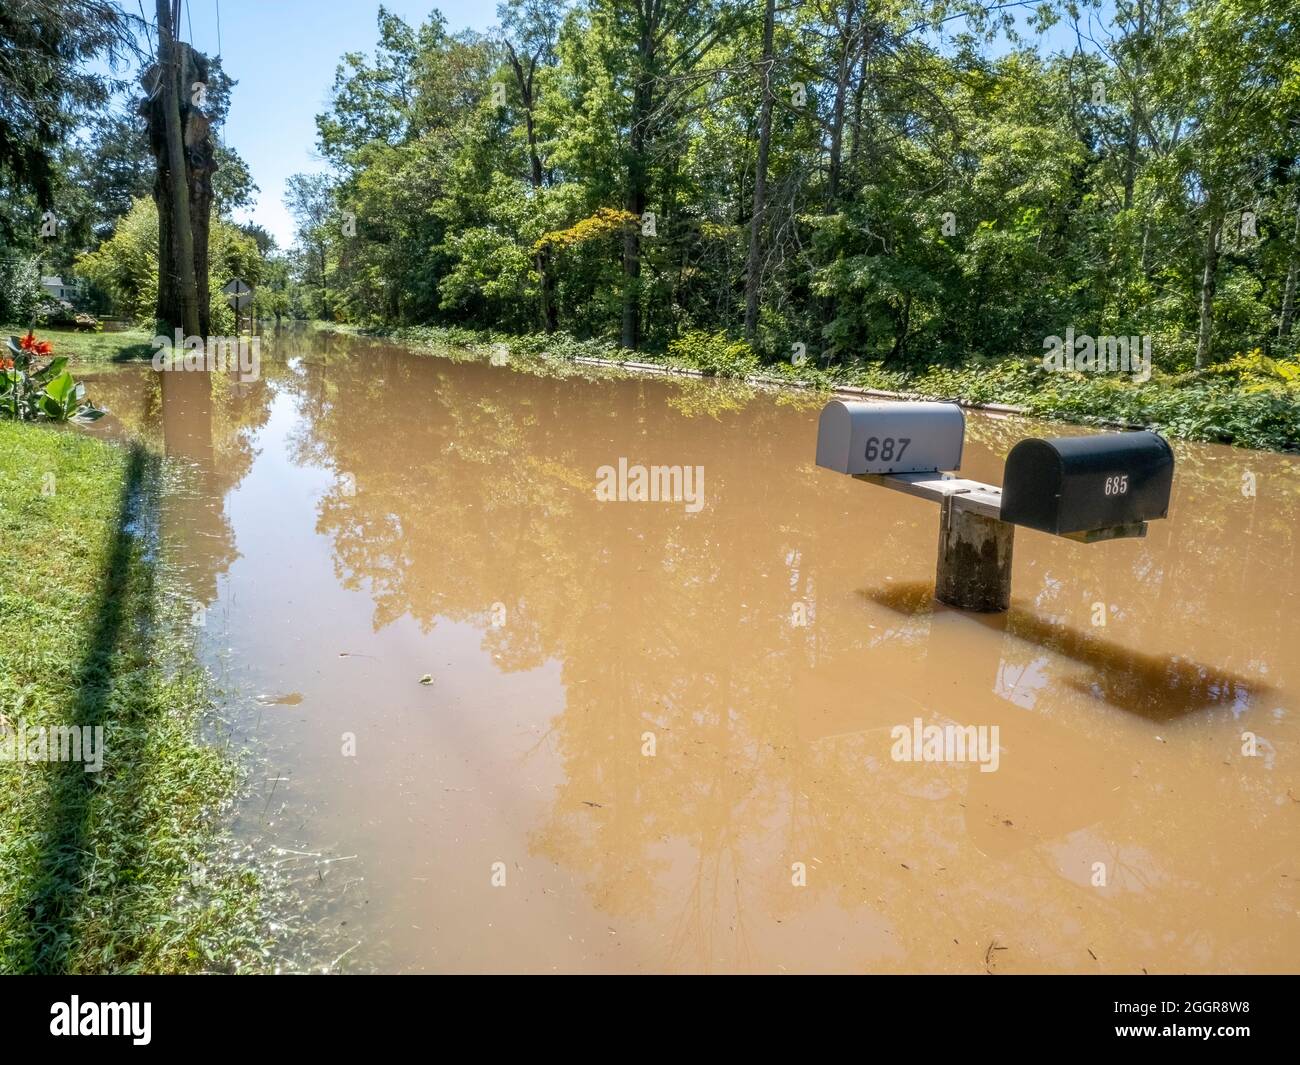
x=921 y=197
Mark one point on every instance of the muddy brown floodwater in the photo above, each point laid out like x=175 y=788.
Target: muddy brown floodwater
x=499 y=724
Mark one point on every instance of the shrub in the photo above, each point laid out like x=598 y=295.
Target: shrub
x=20 y=289
x=714 y=354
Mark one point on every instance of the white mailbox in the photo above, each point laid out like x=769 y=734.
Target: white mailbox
x=858 y=438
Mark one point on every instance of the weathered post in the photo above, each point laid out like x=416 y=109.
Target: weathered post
x=974 y=568
x=176 y=192
x=181 y=142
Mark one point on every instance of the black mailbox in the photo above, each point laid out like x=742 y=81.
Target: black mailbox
x=1098 y=486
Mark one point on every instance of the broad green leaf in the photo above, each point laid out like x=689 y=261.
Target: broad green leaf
x=61 y=388
x=52 y=370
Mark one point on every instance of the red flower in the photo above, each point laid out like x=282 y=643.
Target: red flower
x=6 y=364
x=36 y=347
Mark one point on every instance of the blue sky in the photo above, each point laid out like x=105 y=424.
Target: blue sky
x=283 y=54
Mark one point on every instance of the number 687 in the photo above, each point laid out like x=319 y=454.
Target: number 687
x=888 y=449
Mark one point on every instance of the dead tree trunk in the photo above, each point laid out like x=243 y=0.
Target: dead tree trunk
x=181 y=142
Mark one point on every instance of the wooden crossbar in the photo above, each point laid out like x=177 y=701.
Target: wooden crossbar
x=975 y=496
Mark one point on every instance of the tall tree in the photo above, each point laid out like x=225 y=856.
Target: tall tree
x=754 y=273
x=655 y=51
x=47 y=80
x=310 y=199
x=1242 y=59
x=529 y=30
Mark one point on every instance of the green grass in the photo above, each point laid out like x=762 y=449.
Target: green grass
x=98 y=870
x=132 y=345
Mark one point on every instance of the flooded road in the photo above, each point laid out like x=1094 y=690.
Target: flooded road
x=503 y=725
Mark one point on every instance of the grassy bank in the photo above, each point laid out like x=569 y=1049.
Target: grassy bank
x=131 y=345
x=1250 y=401
x=122 y=870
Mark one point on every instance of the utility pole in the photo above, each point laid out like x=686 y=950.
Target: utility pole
x=178 y=185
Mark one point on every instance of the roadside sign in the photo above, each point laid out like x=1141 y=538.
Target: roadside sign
x=238 y=293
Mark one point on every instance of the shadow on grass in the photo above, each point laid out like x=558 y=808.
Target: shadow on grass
x=73 y=852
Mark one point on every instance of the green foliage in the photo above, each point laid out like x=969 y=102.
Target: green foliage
x=1251 y=400
x=20 y=287
x=1256 y=372
x=49 y=79
x=55 y=313
x=1215 y=413
x=562 y=347
x=95 y=346
x=34 y=391
x=971 y=207
x=605 y=222
x=714 y=354
x=126 y=265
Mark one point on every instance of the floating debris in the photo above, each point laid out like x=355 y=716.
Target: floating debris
x=288 y=699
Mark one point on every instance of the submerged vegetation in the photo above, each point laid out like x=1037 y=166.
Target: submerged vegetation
x=124 y=869
x=1250 y=401
x=910 y=197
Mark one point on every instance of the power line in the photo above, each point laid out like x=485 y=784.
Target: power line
x=148 y=26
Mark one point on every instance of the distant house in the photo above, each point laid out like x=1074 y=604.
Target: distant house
x=55 y=287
